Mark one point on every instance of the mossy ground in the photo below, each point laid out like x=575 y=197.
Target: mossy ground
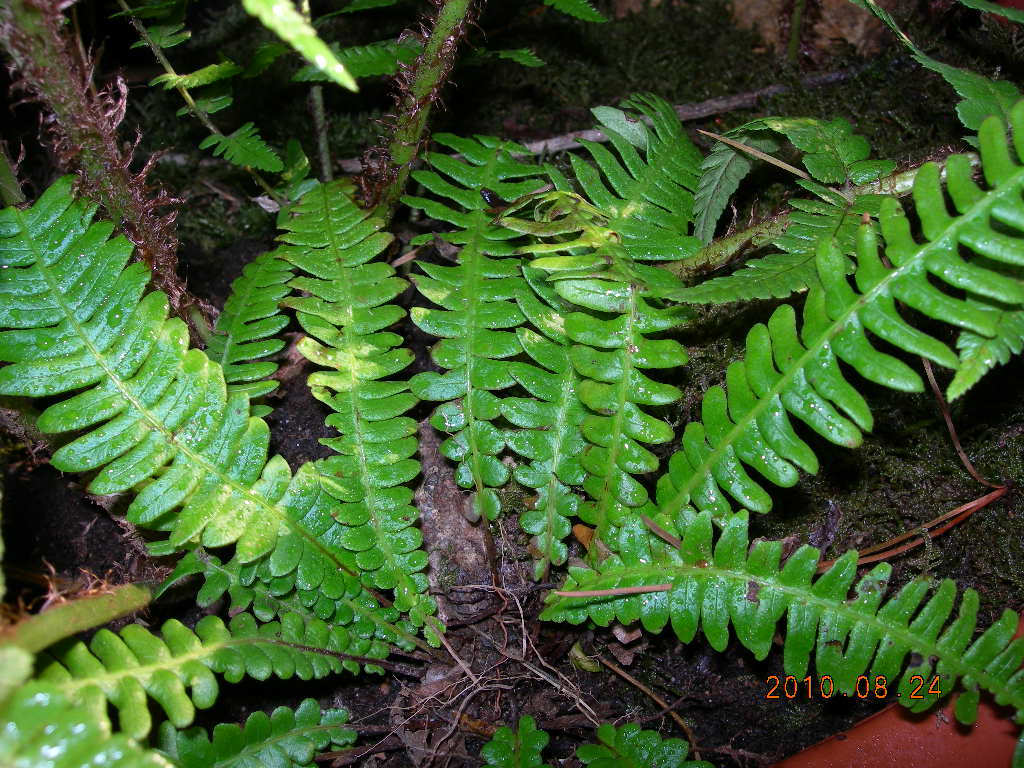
x=906 y=473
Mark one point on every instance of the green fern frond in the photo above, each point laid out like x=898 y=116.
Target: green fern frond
x=710 y=587
x=981 y=97
x=477 y=309
x=380 y=58
x=549 y=435
x=581 y=9
x=612 y=356
x=156 y=417
x=786 y=372
x=520 y=748
x=980 y=354
x=628 y=746
x=345 y=312
x=40 y=728
x=244 y=147
x=285 y=738
x=244 y=332
x=127 y=669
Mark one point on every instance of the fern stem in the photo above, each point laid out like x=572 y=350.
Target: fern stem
x=429 y=74
x=796 y=23
x=46 y=628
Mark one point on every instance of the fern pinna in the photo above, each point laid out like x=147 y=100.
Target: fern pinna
x=476 y=297
x=158 y=418
x=790 y=372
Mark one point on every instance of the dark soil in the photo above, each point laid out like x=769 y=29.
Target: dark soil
x=906 y=473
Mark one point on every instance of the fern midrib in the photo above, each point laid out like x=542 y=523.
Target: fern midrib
x=157 y=425
x=1010 y=186
x=617 y=419
x=472 y=300
x=656 y=572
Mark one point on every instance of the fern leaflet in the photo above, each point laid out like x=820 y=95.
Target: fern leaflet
x=581 y=9
x=125 y=670
x=244 y=147
x=520 y=748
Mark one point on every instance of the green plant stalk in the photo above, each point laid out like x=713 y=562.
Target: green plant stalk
x=86 y=136
x=429 y=75
x=796 y=23
x=46 y=628
x=10 y=189
x=316 y=106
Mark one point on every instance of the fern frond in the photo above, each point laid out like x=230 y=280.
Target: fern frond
x=285 y=738
x=549 y=435
x=628 y=746
x=244 y=147
x=706 y=586
x=284 y=20
x=476 y=307
x=380 y=58
x=581 y=9
x=612 y=356
x=786 y=372
x=156 y=417
x=126 y=669
x=40 y=728
x=981 y=97
x=345 y=313
x=244 y=332
x=980 y=354
x=520 y=748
